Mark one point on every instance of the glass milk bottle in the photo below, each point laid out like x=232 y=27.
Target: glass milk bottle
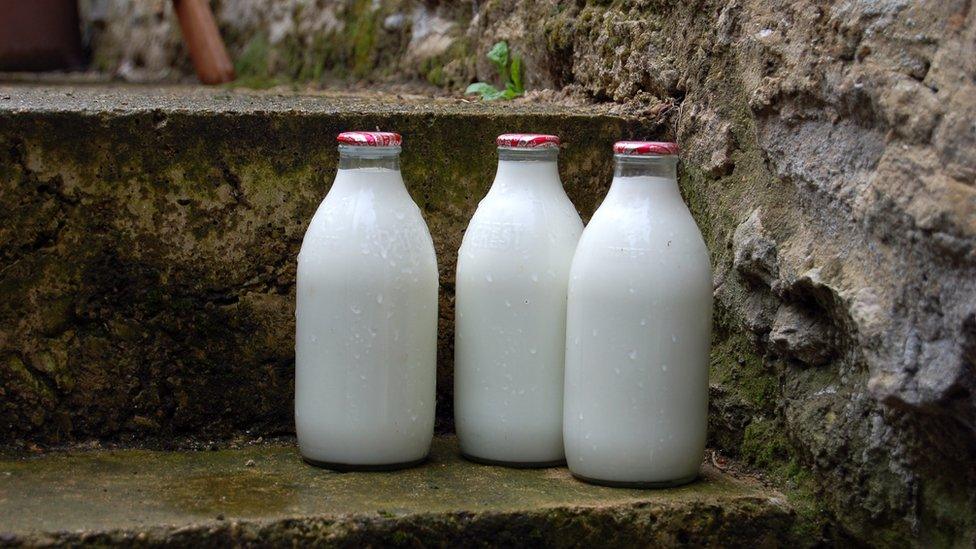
x=513 y=268
x=638 y=331
x=366 y=317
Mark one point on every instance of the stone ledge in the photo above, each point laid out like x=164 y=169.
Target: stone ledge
x=125 y=99
x=265 y=494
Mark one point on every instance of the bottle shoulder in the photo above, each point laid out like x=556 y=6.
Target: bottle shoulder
x=642 y=235
x=500 y=227
x=342 y=220
x=526 y=208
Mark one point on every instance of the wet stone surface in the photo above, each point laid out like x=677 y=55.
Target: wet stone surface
x=265 y=494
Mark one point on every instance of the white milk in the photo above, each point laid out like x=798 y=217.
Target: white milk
x=512 y=273
x=639 y=323
x=366 y=321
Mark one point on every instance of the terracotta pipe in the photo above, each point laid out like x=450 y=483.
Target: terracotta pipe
x=210 y=59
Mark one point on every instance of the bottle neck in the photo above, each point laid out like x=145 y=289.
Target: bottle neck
x=373 y=170
x=527 y=168
x=640 y=178
x=369 y=158
x=645 y=166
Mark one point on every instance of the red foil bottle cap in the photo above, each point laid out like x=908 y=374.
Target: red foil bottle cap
x=638 y=148
x=528 y=141
x=370 y=139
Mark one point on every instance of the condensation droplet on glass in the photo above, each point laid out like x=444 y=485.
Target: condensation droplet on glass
x=633 y=354
x=379 y=298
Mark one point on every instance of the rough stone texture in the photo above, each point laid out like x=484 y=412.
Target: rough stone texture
x=829 y=159
x=846 y=130
x=264 y=495
x=148 y=253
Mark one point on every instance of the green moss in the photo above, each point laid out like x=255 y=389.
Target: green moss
x=253 y=61
x=402 y=538
x=948 y=514
x=340 y=55
x=764 y=445
x=321 y=53
x=443 y=70
x=736 y=367
x=252 y=65
x=436 y=76
x=363 y=28
x=16 y=372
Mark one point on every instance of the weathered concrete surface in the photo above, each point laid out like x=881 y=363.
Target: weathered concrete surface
x=149 y=244
x=264 y=494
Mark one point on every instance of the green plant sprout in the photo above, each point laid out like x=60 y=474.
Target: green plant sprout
x=509 y=67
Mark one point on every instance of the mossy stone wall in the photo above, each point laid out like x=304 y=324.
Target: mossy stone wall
x=149 y=257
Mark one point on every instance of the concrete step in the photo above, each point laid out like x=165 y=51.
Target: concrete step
x=264 y=494
x=147 y=255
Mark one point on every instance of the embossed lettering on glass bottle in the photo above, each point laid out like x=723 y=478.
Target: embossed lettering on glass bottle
x=638 y=327
x=366 y=316
x=512 y=272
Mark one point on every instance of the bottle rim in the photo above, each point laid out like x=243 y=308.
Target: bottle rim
x=547 y=154
x=370 y=139
x=527 y=141
x=644 y=157
x=368 y=150
x=646 y=148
